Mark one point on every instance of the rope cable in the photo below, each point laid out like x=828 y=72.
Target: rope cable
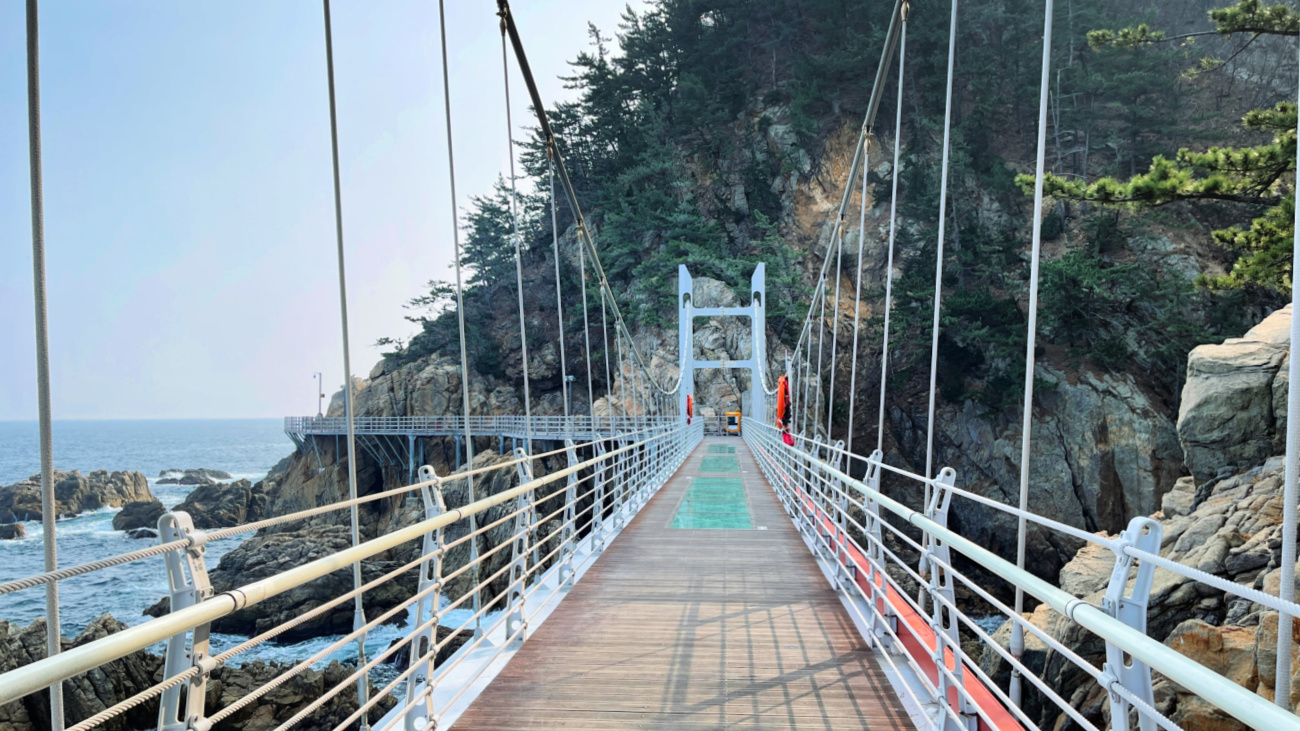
x=49 y=503
x=586 y=339
x=559 y=305
x=857 y=311
x=893 y=228
x=835 y=323
x=938 y=254
x=519 y=247
x=358 y=612
x=1027 y=416
x=1291 y=473
x=460 y=292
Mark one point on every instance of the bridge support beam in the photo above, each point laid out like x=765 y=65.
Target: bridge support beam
x=756 y=311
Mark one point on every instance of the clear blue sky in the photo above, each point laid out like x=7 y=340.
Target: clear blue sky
x=188 y=198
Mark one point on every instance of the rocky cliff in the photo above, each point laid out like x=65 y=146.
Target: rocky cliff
x=1228 y=524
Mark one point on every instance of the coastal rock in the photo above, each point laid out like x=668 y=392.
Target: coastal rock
x=1234 y=532
x=107 y=685
x=1230 y=410
x=84 y=695
x=140 y=533
x=139 y=514
x=273 y=553
x=12 y=531
x=74 y=494
x=196 y=473
x=222 y=505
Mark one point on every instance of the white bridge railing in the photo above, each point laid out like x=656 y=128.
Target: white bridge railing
x=558 y=524
x=853 y=525
x=541 y=427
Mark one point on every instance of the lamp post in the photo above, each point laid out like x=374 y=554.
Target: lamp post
x=320 y=394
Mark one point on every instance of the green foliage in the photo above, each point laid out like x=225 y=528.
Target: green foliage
x=1254 y=175
x=1122 y=316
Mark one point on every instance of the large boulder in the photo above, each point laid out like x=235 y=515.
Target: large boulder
x=1234 y=532
x=139 y=514
x=74 y=493
x=221 y=505
x=1233 y=411
x=86 y=694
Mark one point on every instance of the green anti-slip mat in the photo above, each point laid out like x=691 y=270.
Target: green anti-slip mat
x=719 y=464
x=721 y=449
x=714 y=502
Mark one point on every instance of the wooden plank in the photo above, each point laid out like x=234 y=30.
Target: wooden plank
x=696 y=629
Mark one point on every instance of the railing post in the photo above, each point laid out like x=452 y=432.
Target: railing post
x=943 y=618
x=570 y=532
x=1129 y=605
x=525 y=507
x=598 y=509
x=877 y=581
x=841 y=502
x=422 y=648
x=187 y=579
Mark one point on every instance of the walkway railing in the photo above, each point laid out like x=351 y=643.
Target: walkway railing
x=852 y=525
x=558 y=524
x=543 y=427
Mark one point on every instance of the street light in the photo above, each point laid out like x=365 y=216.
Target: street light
x=320 y=394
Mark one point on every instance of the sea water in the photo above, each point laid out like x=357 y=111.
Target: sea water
x=246 y=448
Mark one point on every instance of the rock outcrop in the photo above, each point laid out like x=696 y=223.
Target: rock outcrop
x=1233 y=411
x=197 y=476
x=74 y=493
x=118 y=680
x=1228 y=524
x=221 y=505
x=12 y=531
x=140 y=514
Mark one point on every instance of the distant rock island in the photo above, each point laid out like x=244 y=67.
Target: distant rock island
x=200 y=476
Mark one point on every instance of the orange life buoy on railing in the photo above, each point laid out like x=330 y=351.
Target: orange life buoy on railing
x=690 y=408
x=782 y=401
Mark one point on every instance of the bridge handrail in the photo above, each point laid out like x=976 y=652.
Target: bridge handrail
x=633 y=458
x=35 y=580
x=1246 y=706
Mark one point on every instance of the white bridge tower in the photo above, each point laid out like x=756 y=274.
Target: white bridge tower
x=686 y=314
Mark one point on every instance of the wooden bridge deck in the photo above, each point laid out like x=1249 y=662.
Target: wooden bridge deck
x=696 y=629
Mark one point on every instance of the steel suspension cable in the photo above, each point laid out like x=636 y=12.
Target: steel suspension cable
x=519 y=248
x=893 y=227
x=821 y=339
x=938 y=254
x=358 y=609
x=559 y=305
x=835 y=323
x=1027 y=416
x=460 y=296
x=857 y=311
x=586 y=339
x=609 y=381
x=49 y=503
x=1291 y=473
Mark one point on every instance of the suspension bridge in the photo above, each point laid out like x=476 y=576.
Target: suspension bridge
x=659 y=578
